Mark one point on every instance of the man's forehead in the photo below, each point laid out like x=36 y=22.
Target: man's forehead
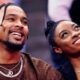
x=11 y=9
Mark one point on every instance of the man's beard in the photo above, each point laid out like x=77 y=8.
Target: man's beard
x=13 y=46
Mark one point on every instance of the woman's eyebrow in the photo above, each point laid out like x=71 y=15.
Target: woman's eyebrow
x=73 y=25
x=62 y=31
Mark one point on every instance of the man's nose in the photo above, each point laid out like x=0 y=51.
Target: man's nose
x=19 y=24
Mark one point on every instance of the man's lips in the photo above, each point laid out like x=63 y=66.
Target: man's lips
x=16 y=33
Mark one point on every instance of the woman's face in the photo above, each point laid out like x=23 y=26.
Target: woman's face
x=67 y=36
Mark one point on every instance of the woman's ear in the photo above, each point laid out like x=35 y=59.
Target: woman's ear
x=58 y=50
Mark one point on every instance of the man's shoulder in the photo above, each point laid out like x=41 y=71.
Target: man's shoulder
x=43 y=68
x=37 y=61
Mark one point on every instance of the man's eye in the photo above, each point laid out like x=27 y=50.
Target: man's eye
x=10 y=19
x=64 y=35
x=25 y=22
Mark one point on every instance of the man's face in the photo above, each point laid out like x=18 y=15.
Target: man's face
x=14 y=27
x=67 y=36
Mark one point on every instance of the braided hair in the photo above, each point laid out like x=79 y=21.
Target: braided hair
x=5 y=9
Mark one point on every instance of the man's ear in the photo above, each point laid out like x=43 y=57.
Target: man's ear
x=58 y=50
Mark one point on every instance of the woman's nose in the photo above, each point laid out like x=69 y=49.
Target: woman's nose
x=75 y=34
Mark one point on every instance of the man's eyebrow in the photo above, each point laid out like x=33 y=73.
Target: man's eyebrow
x=25 y=18
x=11 y=15
x=16 y=15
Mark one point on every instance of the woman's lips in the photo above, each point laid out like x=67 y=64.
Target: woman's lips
x=76 y=41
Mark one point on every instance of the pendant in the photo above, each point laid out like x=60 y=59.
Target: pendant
x=10 y=73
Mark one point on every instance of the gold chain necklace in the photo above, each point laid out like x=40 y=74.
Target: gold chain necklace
x=10 y=73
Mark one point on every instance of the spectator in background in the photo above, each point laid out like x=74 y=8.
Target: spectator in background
x=64 y=42
x=64 y=9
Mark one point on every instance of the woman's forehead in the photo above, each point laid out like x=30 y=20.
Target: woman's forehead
x=63 y=25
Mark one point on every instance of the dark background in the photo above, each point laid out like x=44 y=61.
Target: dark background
x=37 y=44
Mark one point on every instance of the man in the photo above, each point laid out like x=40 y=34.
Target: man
x=13 y=64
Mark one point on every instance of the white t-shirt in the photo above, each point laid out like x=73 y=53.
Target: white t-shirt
x=59 y=9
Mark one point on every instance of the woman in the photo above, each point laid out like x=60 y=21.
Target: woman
x=64 y=41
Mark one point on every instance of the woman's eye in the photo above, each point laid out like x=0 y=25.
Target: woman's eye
x=77 y=27
x=64 y=35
